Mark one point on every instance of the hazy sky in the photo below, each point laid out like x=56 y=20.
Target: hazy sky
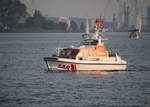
x=77 y=8
x=81 y=8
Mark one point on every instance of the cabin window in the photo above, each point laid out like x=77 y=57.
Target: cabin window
x=89 y=42
x=68 y=53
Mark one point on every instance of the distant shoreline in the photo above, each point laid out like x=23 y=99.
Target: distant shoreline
x=35 y=30
x=40 y=30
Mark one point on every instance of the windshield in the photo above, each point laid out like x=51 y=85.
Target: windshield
x=89 y=42
x=68 y=53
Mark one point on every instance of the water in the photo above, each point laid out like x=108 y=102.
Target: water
x=24 y=81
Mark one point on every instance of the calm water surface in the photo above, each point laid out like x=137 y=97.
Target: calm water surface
x=25 y=82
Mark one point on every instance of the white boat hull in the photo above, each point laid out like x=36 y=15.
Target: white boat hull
x=83 y=66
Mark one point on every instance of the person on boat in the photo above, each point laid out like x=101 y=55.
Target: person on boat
x=85 y=36
x=134 y=34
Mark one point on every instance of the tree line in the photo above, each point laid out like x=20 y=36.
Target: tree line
x=12 y=11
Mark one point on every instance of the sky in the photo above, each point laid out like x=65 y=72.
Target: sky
x=76 y=8
x=80 y=8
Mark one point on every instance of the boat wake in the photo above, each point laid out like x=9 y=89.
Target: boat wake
x=138 y=68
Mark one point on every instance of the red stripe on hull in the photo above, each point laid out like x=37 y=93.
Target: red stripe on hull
x=73 y=67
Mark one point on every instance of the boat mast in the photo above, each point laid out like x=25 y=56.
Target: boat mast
x=87 y=26
x=138 y=21
x=98 y=28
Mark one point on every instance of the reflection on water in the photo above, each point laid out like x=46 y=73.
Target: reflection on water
x=86 y=73
x=24 y=82
x=93 y=73
x=98 y=73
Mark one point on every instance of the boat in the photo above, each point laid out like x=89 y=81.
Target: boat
x=135 y=33
x=90 y=55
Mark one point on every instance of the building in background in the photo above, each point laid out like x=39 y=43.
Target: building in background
x=66 y=20
x=124 y=14
x=148 y=16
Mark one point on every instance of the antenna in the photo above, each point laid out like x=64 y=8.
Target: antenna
x=87 y=26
